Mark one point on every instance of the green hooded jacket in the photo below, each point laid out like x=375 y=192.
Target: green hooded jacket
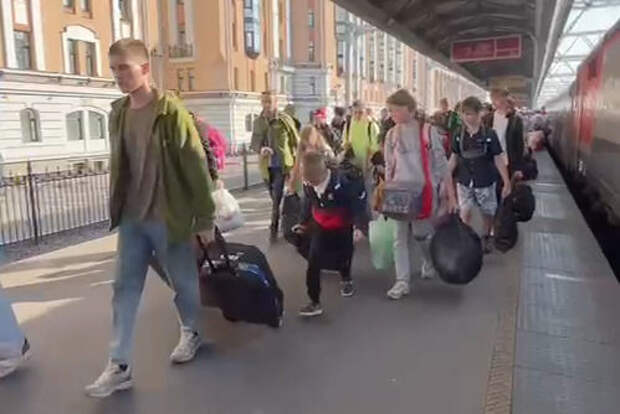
x=189 y=206
x=280 y=135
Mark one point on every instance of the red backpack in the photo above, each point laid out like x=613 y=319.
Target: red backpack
x=218 y=145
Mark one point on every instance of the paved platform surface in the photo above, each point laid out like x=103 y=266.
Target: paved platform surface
x=442 y=350
x=568 y=336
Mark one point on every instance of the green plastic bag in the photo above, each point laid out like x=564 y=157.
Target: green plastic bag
x=381 y=237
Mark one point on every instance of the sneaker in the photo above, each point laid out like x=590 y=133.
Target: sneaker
x=186 y=349
x=311 y=309
x=9 y=365
x=114 y=377
x=399 y=290
x=428 y=271
x=487 y=244
x=347 y=289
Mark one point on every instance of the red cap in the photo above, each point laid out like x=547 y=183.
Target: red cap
x=321 y=113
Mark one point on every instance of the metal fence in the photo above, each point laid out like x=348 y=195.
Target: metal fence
x=36 y=204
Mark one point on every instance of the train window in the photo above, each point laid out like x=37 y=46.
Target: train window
x=252 y=27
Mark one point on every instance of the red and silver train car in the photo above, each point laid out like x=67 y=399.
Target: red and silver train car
x=586 y=127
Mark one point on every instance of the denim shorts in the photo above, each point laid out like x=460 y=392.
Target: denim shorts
x=485 y=198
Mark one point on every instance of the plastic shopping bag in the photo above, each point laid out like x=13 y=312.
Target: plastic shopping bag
x=225 y=204
x=228 y=214
x=381 y=237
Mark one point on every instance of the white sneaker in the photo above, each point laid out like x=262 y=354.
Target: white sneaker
x=113 y=378
x=185 y=351
x=399 y=290
x=9 y=365
x=428 y=271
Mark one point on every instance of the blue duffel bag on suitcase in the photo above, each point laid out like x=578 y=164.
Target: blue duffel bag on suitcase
x=237 y=279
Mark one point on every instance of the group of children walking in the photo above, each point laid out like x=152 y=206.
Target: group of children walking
x=336 y=203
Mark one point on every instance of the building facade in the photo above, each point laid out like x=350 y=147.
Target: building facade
x=55 y=83
x=219 y=55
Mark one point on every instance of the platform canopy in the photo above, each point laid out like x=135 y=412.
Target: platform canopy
x=491 y=42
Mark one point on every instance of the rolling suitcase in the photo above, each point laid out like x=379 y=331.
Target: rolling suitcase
x=237 y=279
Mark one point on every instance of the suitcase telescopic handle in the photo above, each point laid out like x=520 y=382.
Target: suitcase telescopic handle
x=219 y=242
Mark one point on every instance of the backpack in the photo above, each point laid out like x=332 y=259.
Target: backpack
x=472 y=154
x=218 y=145
x=347 y=125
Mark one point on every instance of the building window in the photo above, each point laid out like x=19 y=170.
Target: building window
x=313 y=85
x=190 y=79
x=180 y=78
x=68 y=4
x=266 y=80
x=311 y=51
x=252 y=27
x=125 y=8
x=85 y=5
x=236 y=78
x=91 y=59
x=340 y=57
x=96 y=124
x=252 y=81
x=22 y=50
x=249 y=123
x=74 y=61
x=75 y=130
x=311 y=18
x=282 y=85
x=31 y=125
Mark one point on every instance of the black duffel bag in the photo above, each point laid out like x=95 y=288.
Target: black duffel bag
x=530 y=167
x=505 y=227
x=456 y=251
x=523 y=202
x=291 y=215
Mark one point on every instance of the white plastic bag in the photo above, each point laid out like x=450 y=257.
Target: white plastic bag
x=225 y=205
x=228 y=214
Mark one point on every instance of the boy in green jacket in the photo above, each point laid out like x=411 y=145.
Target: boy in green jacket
x=160 y=195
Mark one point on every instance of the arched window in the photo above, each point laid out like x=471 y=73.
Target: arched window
x=96 y=125
x=75 y=126
x=249 y=122
x=252 y=28
x=31 y=125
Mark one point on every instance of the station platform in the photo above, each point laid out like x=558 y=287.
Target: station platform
x=536 y=332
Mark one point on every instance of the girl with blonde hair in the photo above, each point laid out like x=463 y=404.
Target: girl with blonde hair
x=311 y=140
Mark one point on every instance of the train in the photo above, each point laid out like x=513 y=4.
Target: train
x=585 y=128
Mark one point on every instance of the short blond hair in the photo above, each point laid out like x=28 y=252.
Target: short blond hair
x=129 y=47
x=403 y=97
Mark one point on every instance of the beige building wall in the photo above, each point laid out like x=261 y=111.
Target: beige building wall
x=55 y=21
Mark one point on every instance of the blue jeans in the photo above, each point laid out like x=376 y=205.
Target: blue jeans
x=11 y=336
x=137 y=242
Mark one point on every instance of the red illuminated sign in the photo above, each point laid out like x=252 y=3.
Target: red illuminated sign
x=493 y=48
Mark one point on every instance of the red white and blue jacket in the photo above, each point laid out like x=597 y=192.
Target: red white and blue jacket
x=342 y=205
